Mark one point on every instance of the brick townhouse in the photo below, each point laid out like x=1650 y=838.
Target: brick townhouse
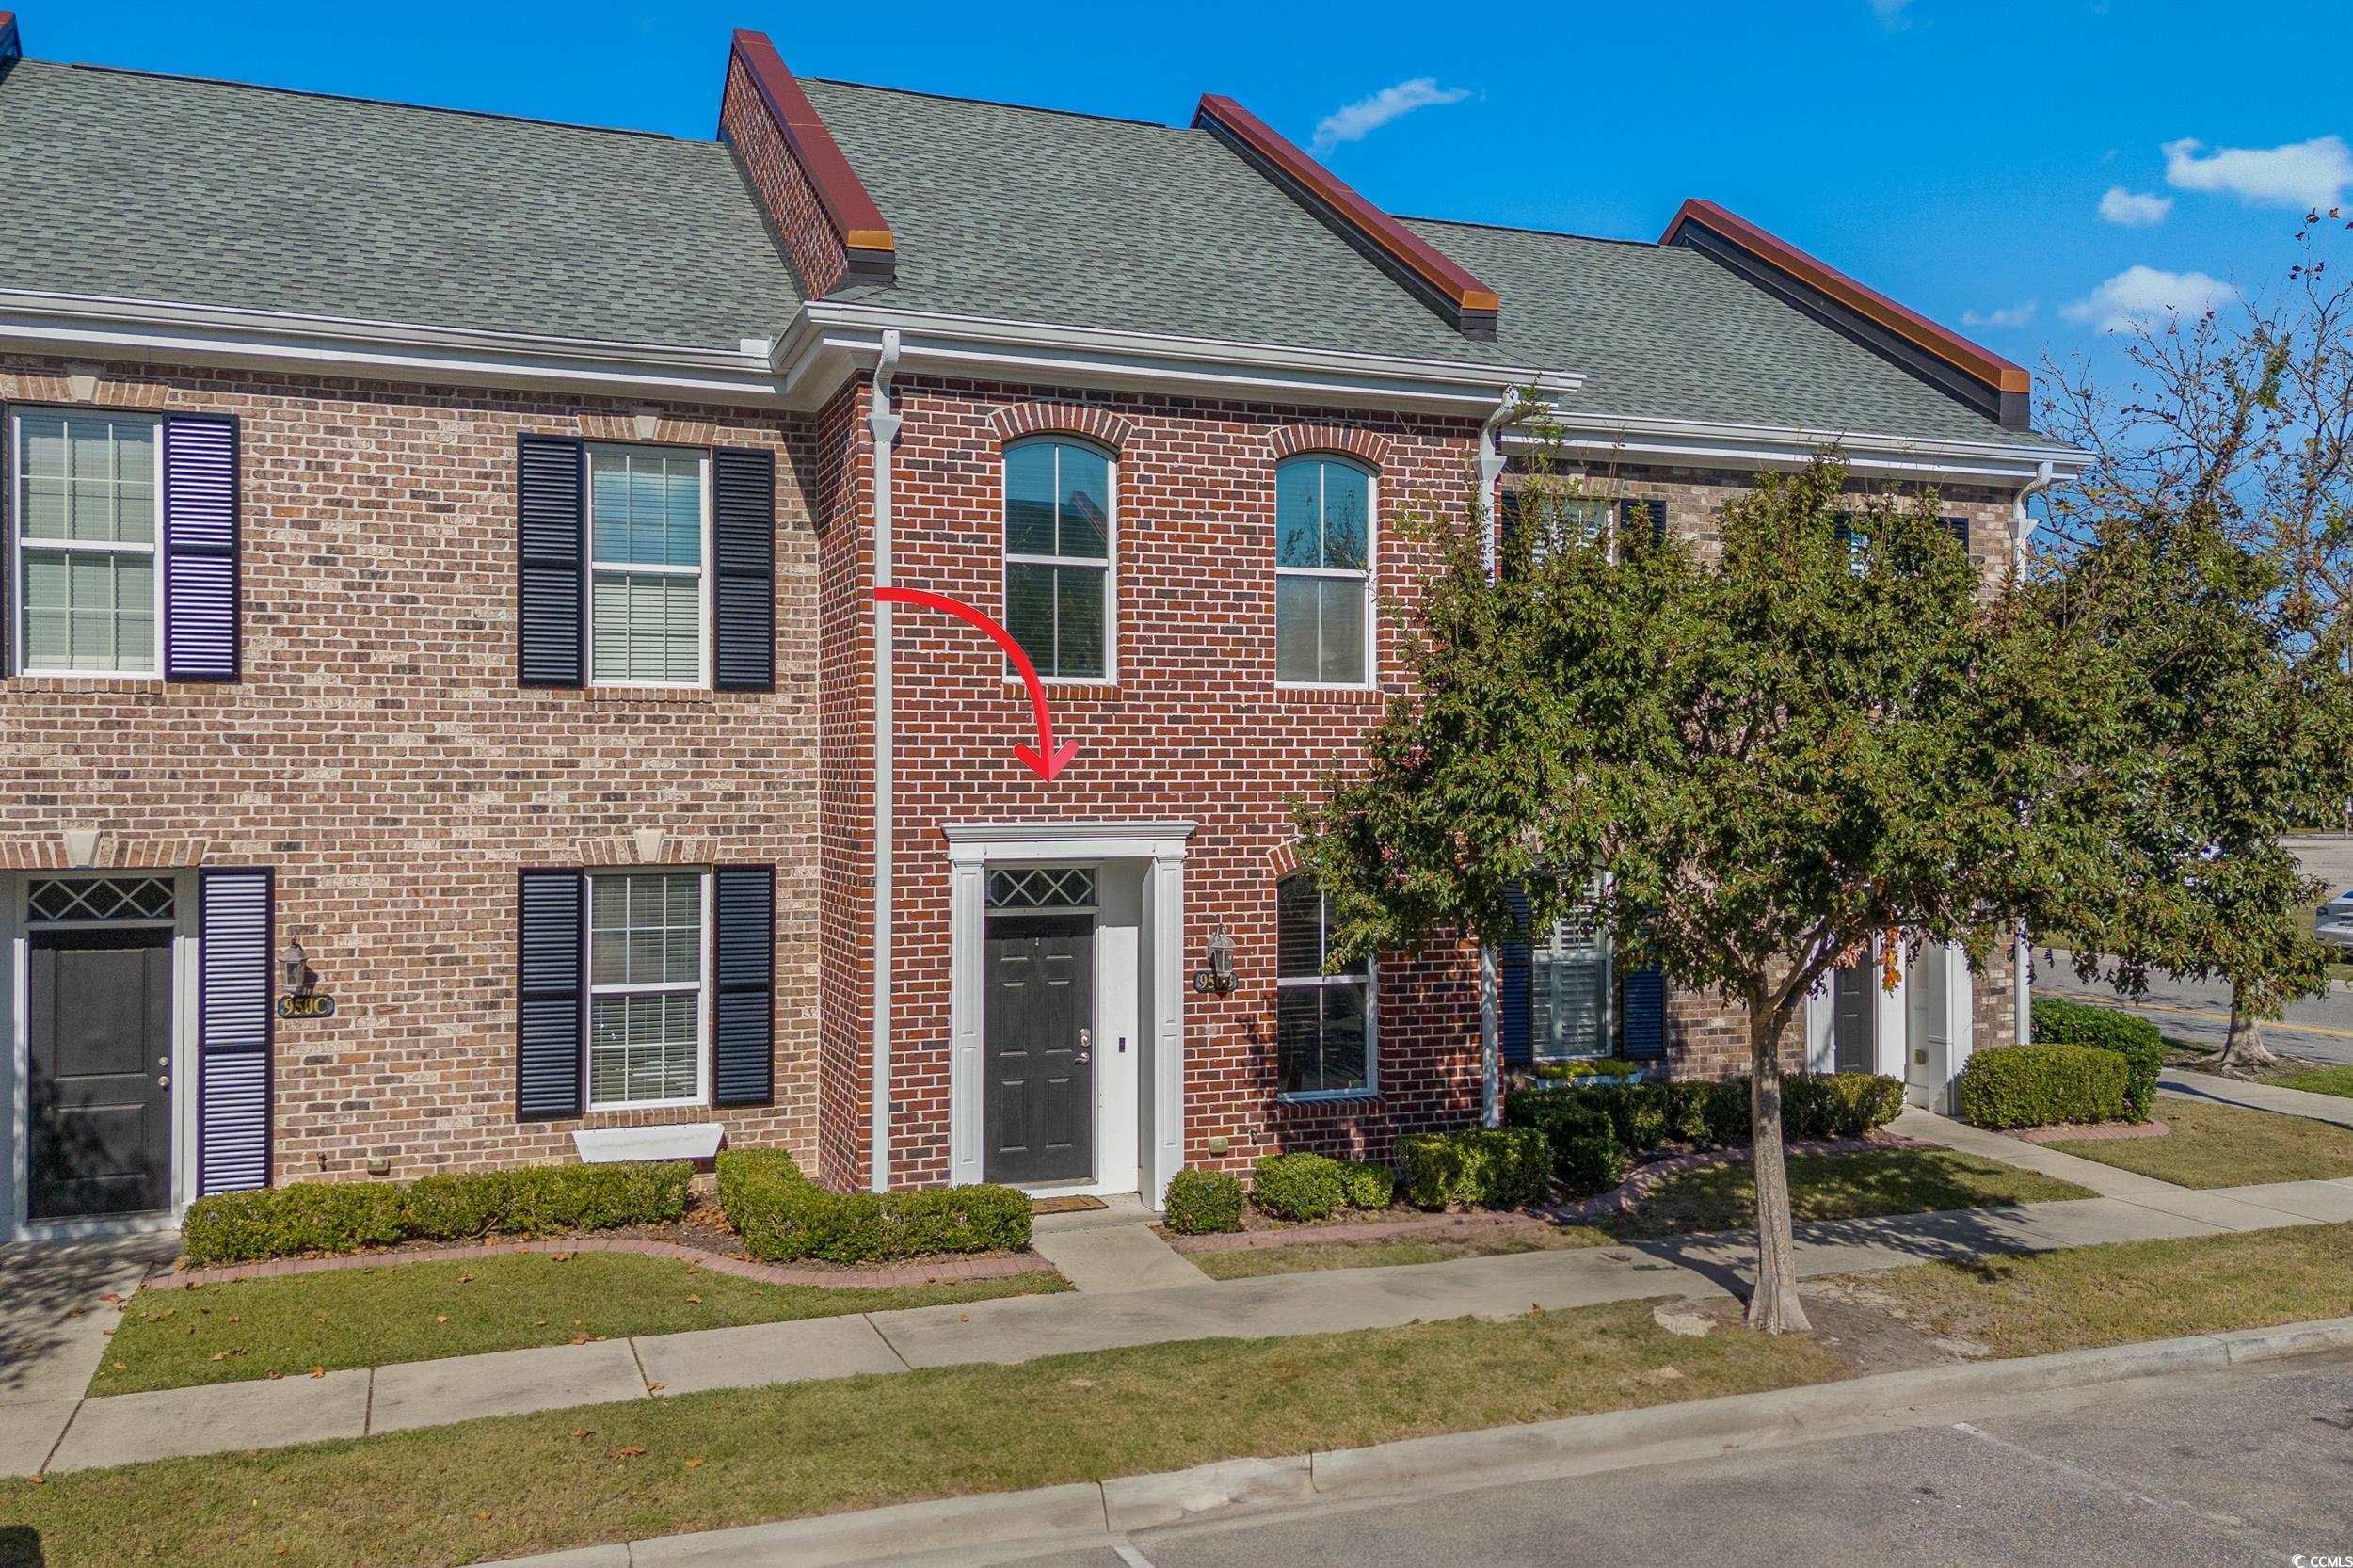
x=448 y=718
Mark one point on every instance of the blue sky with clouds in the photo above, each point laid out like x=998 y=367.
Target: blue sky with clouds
x=2032 y=172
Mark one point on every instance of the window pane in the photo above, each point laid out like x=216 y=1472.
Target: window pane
x=1078 y=631
x=642 y=1048
x=608 y=506
x=1030 y=613
x=47 y=594
x=44 y=507
x=1298 y=928
x=647 y=626
x=645 y=928
x=1086 y=501
x=1297 y=1044
x=1030 y=500
x=646 y=508
x=1347 y=512
x=1344 y=1055
x=1343 y=630
x=134 y=612
x=1296 y=618
x=1298 y=514
x=1568 y=990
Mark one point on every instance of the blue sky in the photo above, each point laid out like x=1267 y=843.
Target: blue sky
x=1955 y=153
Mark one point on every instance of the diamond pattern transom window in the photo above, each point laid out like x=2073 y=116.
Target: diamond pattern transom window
x=108 y=898
x=1042 y=888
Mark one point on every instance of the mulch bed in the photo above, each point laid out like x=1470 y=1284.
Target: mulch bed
x=2094 y=1132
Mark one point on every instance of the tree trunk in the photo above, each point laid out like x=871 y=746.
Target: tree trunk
x=2244 y=1045
x=1773 y=1305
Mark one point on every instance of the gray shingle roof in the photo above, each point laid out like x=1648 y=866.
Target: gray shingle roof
x=147 y=188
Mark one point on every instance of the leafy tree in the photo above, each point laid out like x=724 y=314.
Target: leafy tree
x=2210 y=544
x=1747 y=767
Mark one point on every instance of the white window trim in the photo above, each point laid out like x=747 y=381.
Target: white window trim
x=1370 y=980
x=703 y=986
x=1609 y=1045
x=1372 y=560
x=704 y=631
x=1108 y=564
x=153 y=549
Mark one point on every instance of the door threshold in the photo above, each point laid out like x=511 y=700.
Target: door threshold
x=96 y=1229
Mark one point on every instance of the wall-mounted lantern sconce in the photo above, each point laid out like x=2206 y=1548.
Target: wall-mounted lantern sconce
x=1219 y=976
x=294 y=968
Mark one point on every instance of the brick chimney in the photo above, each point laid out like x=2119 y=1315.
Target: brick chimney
x=816 y=204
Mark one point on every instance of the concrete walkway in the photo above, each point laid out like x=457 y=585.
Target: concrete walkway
x=54 y=1317
x=2259 y=1097
x=121 y=1429
x=2106 y=1180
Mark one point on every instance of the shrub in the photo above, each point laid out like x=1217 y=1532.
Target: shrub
x=1201 y=1202
x=1725 y=1117
x=1367 y=1184
x=2040 y=1085
x=1591 y=1162
x=2060 y=1022
x=784 y=1216
x=1479 y=1167
x=344 y=1217
x=1589 y=1067
x=1297 y=1186
x=1838 y=1105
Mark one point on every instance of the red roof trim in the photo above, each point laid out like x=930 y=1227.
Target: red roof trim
x=1910 y=325
x=839 y=191
x=1400 y=244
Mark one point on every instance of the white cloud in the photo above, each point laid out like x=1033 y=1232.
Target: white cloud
x=2144 y=295
x=2299 y=174
x=2134 y=210
x=1891 y=12
x=2009 y=315
x=1366 y=115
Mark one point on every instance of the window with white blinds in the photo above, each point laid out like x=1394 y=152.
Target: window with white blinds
x=647 y=509
x=87 y=569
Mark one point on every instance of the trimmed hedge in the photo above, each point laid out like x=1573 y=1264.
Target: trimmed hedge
x=784 y=1216
x=1475 y=1168
x=2041 y=1085
x=1837 y=1105
x=345 y=1217
x=1598 y=1129
x=2060 y=1022
x=1594 y=1068
x=1202 y=1202
x=1297 y=1186
x=1367 y=1184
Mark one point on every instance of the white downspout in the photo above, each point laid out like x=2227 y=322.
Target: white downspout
x=882 y=420
x=1490 y=972
x=2022 y=955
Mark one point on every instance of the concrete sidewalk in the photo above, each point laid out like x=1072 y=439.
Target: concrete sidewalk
x=54 y=1317
x=121 y=1429
x=2258 y=1096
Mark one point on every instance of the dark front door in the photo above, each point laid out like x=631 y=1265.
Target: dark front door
x=1039 y=1099
x=1850 y=1017
x=101 y=1058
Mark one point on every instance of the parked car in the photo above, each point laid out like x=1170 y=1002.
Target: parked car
x=2333 y=925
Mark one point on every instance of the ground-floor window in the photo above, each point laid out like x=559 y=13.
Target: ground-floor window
x=1570 y=994
x=1324 y=1028
x=647 y=967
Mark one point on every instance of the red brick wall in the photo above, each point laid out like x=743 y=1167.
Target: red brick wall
x=379 y=753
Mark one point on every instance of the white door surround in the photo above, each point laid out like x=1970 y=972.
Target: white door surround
x=1930 y=1010
x=1140 y=990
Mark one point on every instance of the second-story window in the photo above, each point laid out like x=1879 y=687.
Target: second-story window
x=646 y=510
x=1058 y=557
x=88 y=584
x=1323 y=573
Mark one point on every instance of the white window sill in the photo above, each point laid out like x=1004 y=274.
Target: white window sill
x=1328 y=1096
x=1361 y=688
x=611 y=1145
x=1106 y=682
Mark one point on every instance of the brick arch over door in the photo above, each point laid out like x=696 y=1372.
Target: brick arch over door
x=1017 y=421
x=1348 y=441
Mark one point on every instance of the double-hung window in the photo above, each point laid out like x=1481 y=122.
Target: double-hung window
x=1323 y=573
x=647 y=510
x=648 y=964
x=1570 y=995
x=1324 y=1022
x=88 y=578
x=1058 y=557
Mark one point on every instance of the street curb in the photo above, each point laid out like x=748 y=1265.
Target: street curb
x=1087 y=1512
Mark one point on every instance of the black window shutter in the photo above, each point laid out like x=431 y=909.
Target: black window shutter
x=1640 y=513
x=1642 y=1014
x=744 y=557
x=8 y=540
x=200 y=527
x=1958 y=528
x=552 y=506
x=549 y=1020
x=1512 y=966
x=743 y=1046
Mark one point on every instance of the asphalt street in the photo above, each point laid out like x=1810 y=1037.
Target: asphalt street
x=2253 y=1467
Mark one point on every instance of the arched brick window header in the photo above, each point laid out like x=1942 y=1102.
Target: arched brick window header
x=1282 y=860
x=1349 y=440
x=1084 y=420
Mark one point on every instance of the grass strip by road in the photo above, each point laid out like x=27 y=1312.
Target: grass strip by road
x=2317 y=1080
x=1310 y=1257
x=2226 y=1146
x=398 y=1312
x=513 y=1485
x=1859 y=1186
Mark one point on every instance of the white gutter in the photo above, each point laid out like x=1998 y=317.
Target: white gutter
x=2021 y=951
x=1719 y=445
x=1491 y=461
x=882 y=420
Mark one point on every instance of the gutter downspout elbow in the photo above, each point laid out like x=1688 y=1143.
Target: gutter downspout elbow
x=2022 y=955
x=882 y=421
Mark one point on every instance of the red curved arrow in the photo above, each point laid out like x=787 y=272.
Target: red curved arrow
x=1045 y=759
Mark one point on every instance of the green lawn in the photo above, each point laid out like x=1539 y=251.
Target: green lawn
x=1841 y=1187
x=1307 y=1257
x=2318 y=1081
x=420 y=1311
x=2226 y=1146
x=510 y=1486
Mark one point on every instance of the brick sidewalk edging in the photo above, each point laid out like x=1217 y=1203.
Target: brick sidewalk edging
x=945 y=1270
x=1618 y=1200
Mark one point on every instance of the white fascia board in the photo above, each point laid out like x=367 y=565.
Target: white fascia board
x=170 y=333
x=1705 y=444
x=830 y=338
